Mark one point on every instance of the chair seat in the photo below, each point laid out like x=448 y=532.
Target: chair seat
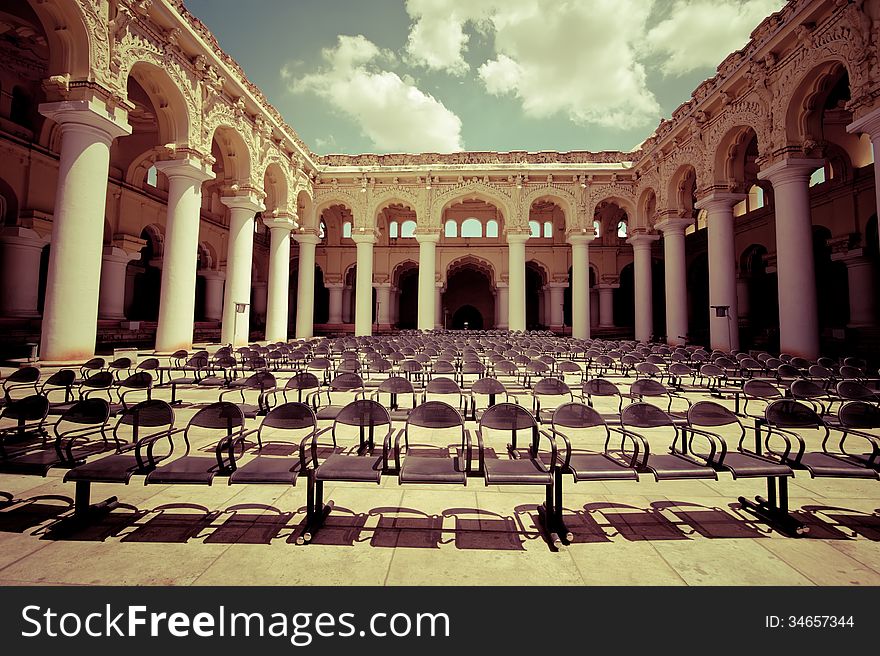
x=341 y=467
x=267 y=469
x=400 y=414
x=422 y=469
x=249 y=410
x=821 y=464
x=328 y=412
x=187 y=469
x=117 y=468
x=61 y=408
x=516 y=472
x=745 y=465
x=599 y=467
x=675 y=467
x=213 y=381
x=42 y=460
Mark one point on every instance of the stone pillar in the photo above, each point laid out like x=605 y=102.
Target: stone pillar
x=383 y=299
x=363 y=311
x=438 y=306
x=861 y=273
x=676 y=278
x=501 y=314
x=278 y=309
x=557 y=301
x=644 y=300
x=427 y=313
x=606 y=305
x=516 y=253
x=395 y=305
x=70 y=312
x=796 y=272
x=545 y=306
x=20 y=251
x=213 y=294
x=305 y=295
x=334 y=315
x=723 y=331
x=346 y=304
x=180 y=256
x=580 y=284
x=870 y=125
x=111 y=301
x=239 y=265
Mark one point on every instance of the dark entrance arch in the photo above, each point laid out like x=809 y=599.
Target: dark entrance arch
x=468 y=284
x=467 y=314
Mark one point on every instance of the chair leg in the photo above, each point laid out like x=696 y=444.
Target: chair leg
x=84 y=512
x=775 y=514
x=548 y=519
x=316 y=510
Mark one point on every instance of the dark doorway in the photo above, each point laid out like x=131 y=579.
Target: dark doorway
x=467 y=314
x=147 y=281
x=409 y=298
x=469 y=284
x=698 y=295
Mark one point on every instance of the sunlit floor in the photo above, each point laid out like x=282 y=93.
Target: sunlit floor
x=625 y=533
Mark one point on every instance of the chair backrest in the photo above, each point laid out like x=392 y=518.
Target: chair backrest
x=442 y=385
x=61 y=378
x=218 y=416
x=859 y=415
x=88 y=412
x=511 y=420
x=147 y=414
x=600 y=387
x=29 y=408
x=262 y=380
x=396 y=385
x=854 y=391
x=806 y=389
x=120 y=363
x=576 y=415
x=487 y=386
x=710 y=413
x=761 y=389
x=648 y=387
x=346 y=382
x=848 y=372
x=788 y=413
x=290 y=416
x=149 y=364
x=435 y=415
x=551 y=387
x=138 y=380
x=644 y=415
x=24 y=375
x=100 y=380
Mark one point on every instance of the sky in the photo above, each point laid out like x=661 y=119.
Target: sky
x=391 y=76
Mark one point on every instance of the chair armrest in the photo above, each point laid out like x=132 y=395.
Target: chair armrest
x=717 y=444
x=149 y=441
x=400 y=433
x=481 y=449
x=554 y=453
x=787 y=436
x=872 y=440
x=313 y=447
x=640 y=444
x=468 y=449
x=550 y=433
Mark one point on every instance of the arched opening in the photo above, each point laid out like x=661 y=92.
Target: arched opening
x=146 y=279
x=406 y=279
x=469 y=283
x=832 y=286
x=625 y=298
x=467 y=316
x=44 y=276
x=535 y=281
x=759 y=308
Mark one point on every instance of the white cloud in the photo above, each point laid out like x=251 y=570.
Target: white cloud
x=394 y=114
x=701 y=33
x=571 y=57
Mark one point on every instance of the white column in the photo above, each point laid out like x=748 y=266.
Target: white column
x=363 y=309
x=723 y=331
x=861 y=272
x=676 y=278
x=580 y=284
x=427 y=308
x=334 y=315
x=516 y=254
x=180 y=256
x=383 y=299
x=346 y=304
x=278 y=309
x=557 y=302
x=438 y=305
x=213 y=294
x=70 y=312
x=796 y=271
x=606 y=305
x=20 y=251
x=111 y=301
x=870 y=125
x=305 y=299
x=239 y=263
x=501 y=314
x=395 y=305
x=644 y=300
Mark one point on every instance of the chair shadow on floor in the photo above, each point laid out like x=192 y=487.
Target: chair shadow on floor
x=464 y=528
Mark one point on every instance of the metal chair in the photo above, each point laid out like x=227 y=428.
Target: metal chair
x=426 y=460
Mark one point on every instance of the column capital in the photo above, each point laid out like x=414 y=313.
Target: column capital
x=188 y=167
x=852 y=257
x=673 y=225
x=306 y=237
x=212 y=274
x=22 y=237
x=791 y=169
x=868 y=124
x=382 y=285
x=280 y=220
x=334 y=285
x=556 y=285
x=518 y=237
x=608 y=285
x=427 y=237
x=364 y=237
x=116 y=254
x=247 y=201
x=582 y=236
x=642 y=240
x=91 y=113
x=719 y=200
x=501 y=285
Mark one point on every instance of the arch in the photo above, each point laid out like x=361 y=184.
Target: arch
x=275 y=188
x=473 y=190
x=730 y=156
x=166 y=95
x=618 y=196
x=156 y=236
x=207 y=256
x=680 y=195
x=647 y=207
x=472 y=261
x=803 y=114
x=471 y=228
x=561 y=197
x=8 y=204
x=305 y=210
x=469 y=283
x=234 y=161
x=541 y=268
x=395 y=196
x=71 y=48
